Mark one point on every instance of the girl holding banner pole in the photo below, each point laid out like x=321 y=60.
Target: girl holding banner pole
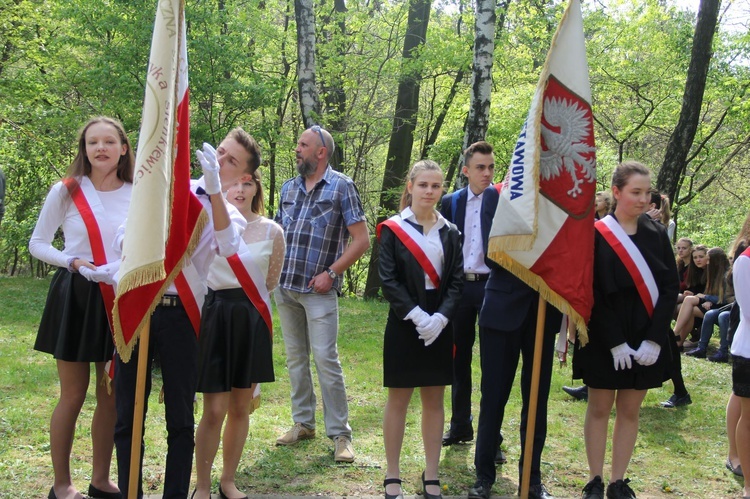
x=89 y=203
x=421 y=267
x=236 y=336
x=635 y=290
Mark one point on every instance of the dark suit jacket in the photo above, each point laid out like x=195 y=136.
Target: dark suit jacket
x=458 y=197
x=507 y=299
x=403 y=278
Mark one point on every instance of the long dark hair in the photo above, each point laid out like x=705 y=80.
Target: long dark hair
x=258 y=204
x=696 y=277
x=716 y=273
x=81 y=166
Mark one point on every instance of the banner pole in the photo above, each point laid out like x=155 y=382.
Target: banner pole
x=533 y=397
x=138 y=411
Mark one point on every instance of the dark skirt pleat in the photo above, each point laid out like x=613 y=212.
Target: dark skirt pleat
x=74 y=325
x=235 y=347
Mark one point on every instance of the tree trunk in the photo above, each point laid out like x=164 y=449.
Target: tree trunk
x=675 y=158
x=402 y=132
x=309 y=101
x=481 y=78
x=334 y=94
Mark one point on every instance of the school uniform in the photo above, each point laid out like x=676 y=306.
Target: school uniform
x=407 y=362
x=236 y=340
x=463 y=208
x=74 y=325
x=620 y=316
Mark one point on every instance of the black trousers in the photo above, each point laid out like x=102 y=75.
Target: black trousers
x=464 y=335
x=500 y=352
x=173 y=337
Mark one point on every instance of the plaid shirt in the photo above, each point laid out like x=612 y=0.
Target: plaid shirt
x=315 y=225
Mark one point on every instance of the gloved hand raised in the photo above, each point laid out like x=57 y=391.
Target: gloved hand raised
x=432 y=330
x=210 y=165
x=621 y=354
x=647 y=353
x=418 y=316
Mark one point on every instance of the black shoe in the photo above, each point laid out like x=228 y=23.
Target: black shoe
x=580 y=393
x=222 y=495
x=52 y=494
x=389 y=481
x=719 y=357
x=450 y=438
x=737 y=470
x=594 y=489
x=500 y=457
x=675 y=401
x=620 y=490
x=426 y=494
x=480 y=490
x=538 y=491
x=698 y=353
x=95 y=493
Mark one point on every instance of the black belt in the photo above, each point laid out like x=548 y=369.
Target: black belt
x=470 y=276
x=169 y=301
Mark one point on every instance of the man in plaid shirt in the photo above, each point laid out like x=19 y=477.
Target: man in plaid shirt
x=326 y=232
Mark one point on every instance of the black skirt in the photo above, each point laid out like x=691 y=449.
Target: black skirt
x=235 y=348
x=741 y=376
x=74 y=325
x=407 y=362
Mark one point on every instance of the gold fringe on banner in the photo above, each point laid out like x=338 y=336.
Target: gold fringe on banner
x=538 y=284
x=126 y=349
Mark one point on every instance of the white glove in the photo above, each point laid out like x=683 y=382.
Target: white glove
x=210 y=166
x=647 y=353
x=418 y=316
x=432 y=330
x=622 y=353
x=111 y=269
x=97 y=275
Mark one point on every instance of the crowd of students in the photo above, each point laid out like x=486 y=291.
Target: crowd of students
x=433 y=269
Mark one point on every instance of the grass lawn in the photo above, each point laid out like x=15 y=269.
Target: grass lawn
x=679 y=452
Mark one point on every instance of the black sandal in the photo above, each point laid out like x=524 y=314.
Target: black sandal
x=389 y=481
x=426 y=494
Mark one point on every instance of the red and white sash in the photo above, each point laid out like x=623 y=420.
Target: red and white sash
x=633 y=260
x=192 y=292
x=253 y=283
x=413 y=240
x=92 y=212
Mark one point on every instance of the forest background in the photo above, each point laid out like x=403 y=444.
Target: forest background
x=394 y=81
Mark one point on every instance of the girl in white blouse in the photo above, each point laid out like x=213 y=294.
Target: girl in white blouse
x=235 y=344
x=89 y=203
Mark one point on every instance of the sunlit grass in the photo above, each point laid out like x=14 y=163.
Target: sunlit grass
x=679 y=452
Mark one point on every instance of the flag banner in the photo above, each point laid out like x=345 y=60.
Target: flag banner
x=543 y=228
x=165 y=219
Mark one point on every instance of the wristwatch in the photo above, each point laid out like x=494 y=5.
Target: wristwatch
x=331 y=273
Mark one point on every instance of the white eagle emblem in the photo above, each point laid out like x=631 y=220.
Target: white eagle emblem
x=566 y=148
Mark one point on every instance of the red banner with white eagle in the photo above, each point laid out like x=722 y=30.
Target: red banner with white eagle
x=165 y=219
x=543 y=229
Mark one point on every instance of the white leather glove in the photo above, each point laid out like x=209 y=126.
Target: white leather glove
x=432 y=330
x=647 y=353
x=418 y=316
x=210 y=165
x=97 y=275
x=621 y=354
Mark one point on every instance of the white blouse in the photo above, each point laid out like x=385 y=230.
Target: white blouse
x=60 y=210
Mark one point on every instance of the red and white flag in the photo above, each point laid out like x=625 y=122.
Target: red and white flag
x=165 y=219
x=543 y=229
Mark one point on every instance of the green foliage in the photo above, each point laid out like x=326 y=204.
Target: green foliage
x=64 y=61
